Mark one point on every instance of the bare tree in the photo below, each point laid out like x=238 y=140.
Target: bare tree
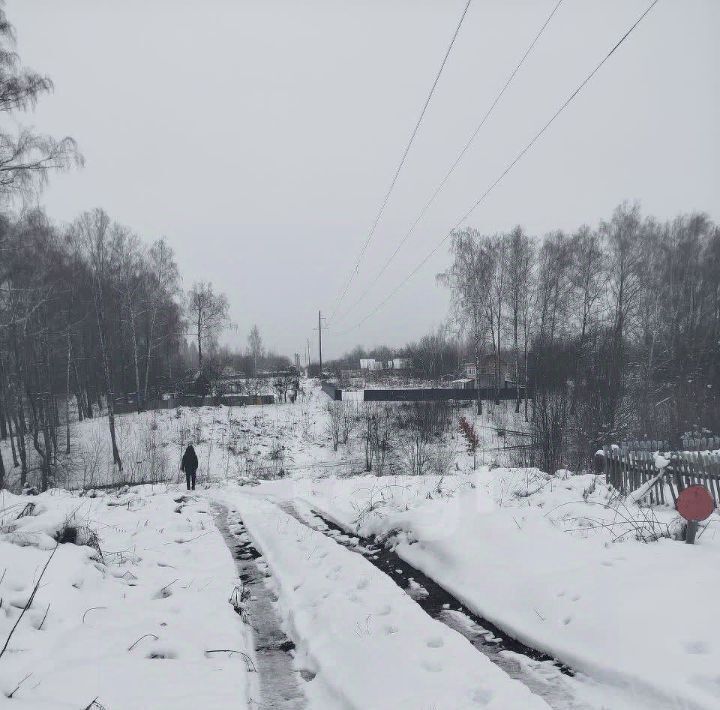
x=377 y=429
x=162 y=287
x=26 y=158
x=208 y=315
x=93 y=231
x=255 y=346
x=555 y=286
x=435 y=354
x=497 y=246
x=588 y=277
x=131 y=281
x=625 y=264
x=520 y=252
x=470 y=279
x=334 y=422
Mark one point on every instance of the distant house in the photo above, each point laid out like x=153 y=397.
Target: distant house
x=370 y=363
x=399 y=363
x=483 y=379
x=487 y=373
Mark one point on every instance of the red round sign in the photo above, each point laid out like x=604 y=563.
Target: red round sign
x=695 y=503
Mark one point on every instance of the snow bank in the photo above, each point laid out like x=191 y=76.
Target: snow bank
x=128 y=626
x=535 y=555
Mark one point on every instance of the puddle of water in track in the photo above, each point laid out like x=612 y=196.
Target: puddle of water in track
x=278 y=679
x=541 y=673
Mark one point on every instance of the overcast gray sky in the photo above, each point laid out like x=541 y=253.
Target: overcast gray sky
x=259 y=136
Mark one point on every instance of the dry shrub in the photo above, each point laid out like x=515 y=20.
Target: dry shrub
x=70 y=532
x=145 y=459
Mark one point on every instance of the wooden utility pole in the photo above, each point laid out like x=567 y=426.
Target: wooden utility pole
x=320 y=340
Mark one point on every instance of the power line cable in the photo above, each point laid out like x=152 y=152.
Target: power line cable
x=399 y=168
x=457 y=161
x=517 y=159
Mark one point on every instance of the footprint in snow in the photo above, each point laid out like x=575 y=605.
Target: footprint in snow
x=483 y=696
x=432 y=666
x=435 y=643
x=164 y=592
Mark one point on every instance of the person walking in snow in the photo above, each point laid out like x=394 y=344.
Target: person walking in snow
x=189 y=465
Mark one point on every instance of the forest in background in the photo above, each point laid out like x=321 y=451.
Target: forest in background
x=615 y=329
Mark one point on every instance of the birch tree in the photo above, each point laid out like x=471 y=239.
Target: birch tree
x=470 y=280
x=208 y=316
x=519 y=251
x=26 y=157
x=92 y=231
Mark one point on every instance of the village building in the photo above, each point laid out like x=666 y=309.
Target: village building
x=370 y=363
x=488 y=373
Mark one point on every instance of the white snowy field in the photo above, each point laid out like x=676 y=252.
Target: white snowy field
x=558 y=562
x=231 y=442
x=127 y=625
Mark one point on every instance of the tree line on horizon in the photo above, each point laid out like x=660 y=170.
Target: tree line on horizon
x=615 y=330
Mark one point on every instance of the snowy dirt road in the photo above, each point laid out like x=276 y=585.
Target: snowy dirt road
x=366 y=641
x=339 y=597
x=277 y=683
x=561 y=687
x=541 y=674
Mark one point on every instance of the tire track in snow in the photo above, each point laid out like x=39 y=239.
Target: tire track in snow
x=539 y=672
x=278 y=680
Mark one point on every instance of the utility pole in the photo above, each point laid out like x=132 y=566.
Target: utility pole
x=319 y=330
x=320 y=340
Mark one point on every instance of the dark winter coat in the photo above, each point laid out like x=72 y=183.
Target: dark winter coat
x=189 y=461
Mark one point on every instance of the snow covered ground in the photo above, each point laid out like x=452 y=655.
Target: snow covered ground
x=128 y=624
x=231 y=442
x=559 y=566
x=138 y=618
